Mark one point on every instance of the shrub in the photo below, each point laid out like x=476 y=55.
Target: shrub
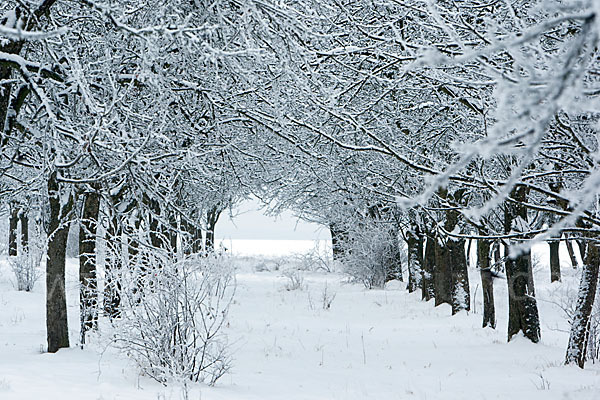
x=26 y=267
x=172 y=318
x=372 y=255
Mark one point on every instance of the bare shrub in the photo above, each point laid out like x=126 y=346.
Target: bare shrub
x=26 y=267
x=371 y=256
x=314 y=260
x=295 y=280
x=172 y=318
x=327 y=297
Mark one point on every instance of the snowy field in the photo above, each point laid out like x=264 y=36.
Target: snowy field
x=378 y=344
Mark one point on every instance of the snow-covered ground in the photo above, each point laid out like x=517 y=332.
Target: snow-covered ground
x=378 y=344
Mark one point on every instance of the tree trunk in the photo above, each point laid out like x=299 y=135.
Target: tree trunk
x=428 y=286
x=442 y=276
x=155 y=234
x=56 y=304
x=338 y=242
x=571 y=252
x=554 y=261
x=487 y=283
x=522 y=305
x=24 y=218
x=414 y=242
x=580 y=326
x=498 y=263
x=461 y=296
x=88 y=290
x=12 y=233
x=112 y=267
x=173 y=230
x=212 y=216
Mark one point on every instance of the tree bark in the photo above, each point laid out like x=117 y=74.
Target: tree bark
x=554 y=261
x=112 y=267
x=414 y=241
x=13 y=223
x=487 y=283
x=580 y=326
x=88 y=290
x=338 y=242
x=428 y=287
x=571 y=252
x=461 y=296
x=56 y=304
x=522 y=305
x=24 y=219
x=212 y=216
x=442 y=276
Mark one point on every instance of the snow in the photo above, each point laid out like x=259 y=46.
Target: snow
x=379 y=344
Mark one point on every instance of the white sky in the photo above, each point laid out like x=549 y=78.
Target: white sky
x=249 y=222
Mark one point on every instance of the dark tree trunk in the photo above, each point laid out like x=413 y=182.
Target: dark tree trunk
x=498 y=264
x=24 y=218
x=414 y=241
x=580 y=326
x=112 y=267
x=212 y=216
x=173 y=230
x=197 y=248
x=187 y=236
x=554 y=261
x=56 y=304
x=13 y=223
x=155 y=234
x=522 y=305
x=88 y=293
x=460 y=291
x=427 y=281
x=487 y=283
x=442 y=275
x=571 y=252
x=338 y=242
x=582 y=244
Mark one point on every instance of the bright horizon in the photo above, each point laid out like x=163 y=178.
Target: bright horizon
x=250 y=223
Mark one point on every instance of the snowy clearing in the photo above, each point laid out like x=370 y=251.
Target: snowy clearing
x=378 y=344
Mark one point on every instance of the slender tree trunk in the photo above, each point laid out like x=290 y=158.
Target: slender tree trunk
x=554 y=261
x=197 y=246
x=212 y=216
x=487 y=283
x=428 y=286
x=155 y=234
x=414 y=242
x=571 y=252
x=580 y=326
x=24 y=218
x=173 y=230
x=498 y=264
x=112 y=266
x=88 y=292
x=56 y=304
x=12 y=233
